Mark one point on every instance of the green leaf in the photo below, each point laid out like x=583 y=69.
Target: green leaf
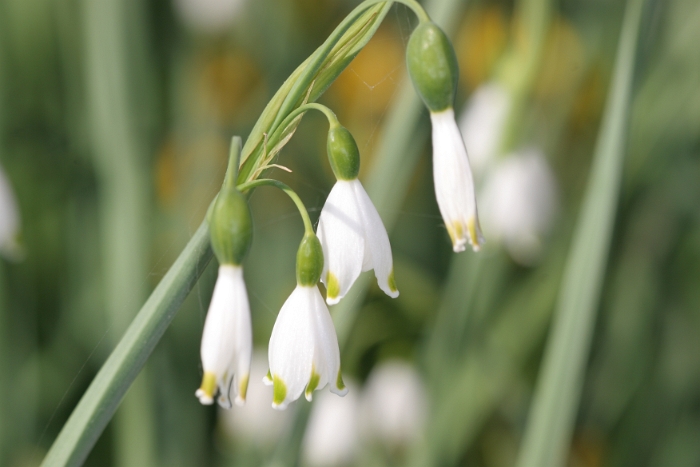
x=555 y=404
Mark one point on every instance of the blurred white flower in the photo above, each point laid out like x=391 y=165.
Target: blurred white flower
x=454 y=184
x=519 y=203
x=255 y=423
x=227 y=340
x=9 y=220
x=482 y=123
x=209 y=16
x=394 y=404
x=303 y=350
x=354 y=239
x=331 y=436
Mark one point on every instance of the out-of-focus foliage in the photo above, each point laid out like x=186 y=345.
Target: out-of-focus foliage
x=472 y=326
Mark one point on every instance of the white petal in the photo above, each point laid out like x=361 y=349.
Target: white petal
x=454 y=185
x=377 y=247
x=291 y=347
x=341 y=234
x=227 y=339
x=326 y=352
x=520 y=201
x=303 y=348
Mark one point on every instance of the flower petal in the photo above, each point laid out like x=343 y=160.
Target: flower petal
x=326 y=362
x=377 y=246
x=341 y=234
x=454 y=185
x=291 y=347
x=227 y=339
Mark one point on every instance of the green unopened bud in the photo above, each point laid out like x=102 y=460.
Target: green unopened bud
x=432 y=64
x=309 y=260
x=343 y=153
x=231 y=227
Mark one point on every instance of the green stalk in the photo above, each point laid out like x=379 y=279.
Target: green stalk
x=555 y=403
x=101 y=399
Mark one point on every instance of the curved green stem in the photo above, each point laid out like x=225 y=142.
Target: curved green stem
x=308 y=226
x=332 y=119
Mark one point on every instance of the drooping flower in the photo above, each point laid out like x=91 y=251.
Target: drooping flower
x=432 y=65
x=354 y=240
x=303 y=352
x=394 y=404
x=332 y=437
x=226 y=341
x=350 y=229
x=520 y=197
x=454 y=184
x=482 y=124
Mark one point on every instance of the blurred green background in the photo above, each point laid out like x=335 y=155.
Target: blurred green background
x=115 y=119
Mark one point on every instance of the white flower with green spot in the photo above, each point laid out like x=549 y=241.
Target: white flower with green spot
x=227 y=341
x=354 y=240
x=303 y=352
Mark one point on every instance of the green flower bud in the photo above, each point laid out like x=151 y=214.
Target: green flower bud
x=343 y=153
x=309 y=261
x=432 y=64
x=231 y=227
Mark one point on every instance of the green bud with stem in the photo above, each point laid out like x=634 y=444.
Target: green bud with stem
x=309 y=260
x=343 y=153
x=432 y=64
x=230 y=220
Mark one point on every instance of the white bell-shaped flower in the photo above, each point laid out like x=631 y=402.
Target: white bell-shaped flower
x=454 y=184
x=483 y=122
x=354 y=239
x=227 y=340
x=332 y=438
x=520 y=201
x=303 y=351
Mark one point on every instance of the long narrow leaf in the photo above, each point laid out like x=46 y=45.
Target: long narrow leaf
x=554 y=407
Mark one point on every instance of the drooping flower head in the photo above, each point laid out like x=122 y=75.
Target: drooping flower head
x=227 y=338
x=432 y=65
x=520 y=197
x=350 y=229
x=303 y=351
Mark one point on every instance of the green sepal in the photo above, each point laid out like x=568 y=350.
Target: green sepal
x=309 y=261
x=432 y=64
x=231 y=227
x=343 y=153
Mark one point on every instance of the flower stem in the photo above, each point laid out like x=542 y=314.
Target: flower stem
x=234 y=158
x=308 y=226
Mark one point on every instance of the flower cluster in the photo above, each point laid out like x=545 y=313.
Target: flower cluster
x=303 y=351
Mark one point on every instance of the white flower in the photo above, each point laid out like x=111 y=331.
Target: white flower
x=483 y=122
x=303 y=350
x=227 y=340
x=520 y=202
x=9 y=220
x=331 y=437
x=255 y=423
x=209 y=15
x=454 y=185
x=354 y=239
x=394 y=404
